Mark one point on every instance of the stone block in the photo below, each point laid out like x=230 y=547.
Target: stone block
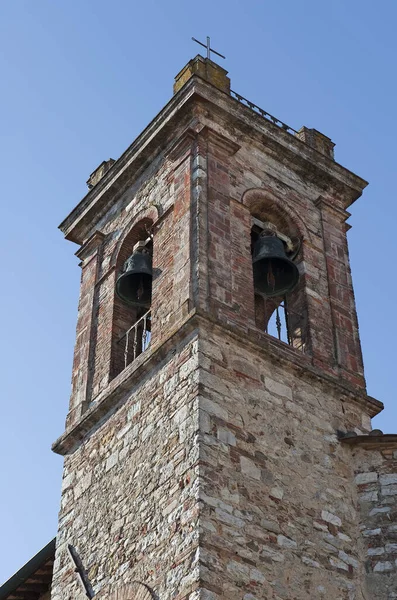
x=286 y=542
x=279 y=388
x=375 y=551
x=364 y=478
x=331 y=518
x=383 y=567
x=249 y=468
x=388 y=479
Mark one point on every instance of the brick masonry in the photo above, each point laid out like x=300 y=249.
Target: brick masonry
x=211 y=467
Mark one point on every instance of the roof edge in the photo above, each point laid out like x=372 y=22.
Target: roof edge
x=28 y=569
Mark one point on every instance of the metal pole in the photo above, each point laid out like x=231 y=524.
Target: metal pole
x=127 y=336
x=278 y=323
x=287 y=321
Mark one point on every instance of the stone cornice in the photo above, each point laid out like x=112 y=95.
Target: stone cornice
x=91 y=245
x=220 y=142
x=127 y=167
x=278 y=352
x=383 y=441
x=281 y=353
x=325 y=204
x=112 y=397
x=316 y=166
x=175 y=117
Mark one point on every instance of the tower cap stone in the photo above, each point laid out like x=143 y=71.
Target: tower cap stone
x=99 y=172
x=317 y=140
x=206 y=69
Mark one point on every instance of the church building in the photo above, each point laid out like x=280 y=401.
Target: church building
x=218 y=444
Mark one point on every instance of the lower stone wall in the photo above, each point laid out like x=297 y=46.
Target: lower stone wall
x=129 y=494
x=376 y=480
x=220 y=476
x=279 y=514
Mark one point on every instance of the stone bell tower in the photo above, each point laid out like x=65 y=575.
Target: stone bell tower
x=218 y=443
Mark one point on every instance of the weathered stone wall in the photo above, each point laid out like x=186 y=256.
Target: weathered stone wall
x=279 y=513
x=218 y=470
x=129 y=490
x=376 y=480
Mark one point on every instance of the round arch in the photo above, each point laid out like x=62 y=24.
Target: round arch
x=132 y=591
x=126 y=346
x=266 y=206
x=135 y=228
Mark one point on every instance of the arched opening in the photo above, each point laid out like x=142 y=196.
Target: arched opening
x=284 y=315
x=131 y=326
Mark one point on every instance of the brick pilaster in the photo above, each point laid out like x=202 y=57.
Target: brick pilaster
x=90 y=255
x=341 y=294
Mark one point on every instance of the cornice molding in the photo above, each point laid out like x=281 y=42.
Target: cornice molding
x=116 y=393
x=182 y=146
x=324 y=204
x=218 y=141
x=90 y=246
x=372 y=441
x=158 y=134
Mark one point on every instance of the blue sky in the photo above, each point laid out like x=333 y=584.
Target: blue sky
x=79 y=81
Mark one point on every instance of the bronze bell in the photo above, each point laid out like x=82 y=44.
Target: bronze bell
x=134 y=284
x=274 y=273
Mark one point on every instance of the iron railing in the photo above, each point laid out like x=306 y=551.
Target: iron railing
x=283 y=324
x=287 y=326
x=136 y=339
x=263 y=113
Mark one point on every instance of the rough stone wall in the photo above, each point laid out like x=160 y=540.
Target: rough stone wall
x=129 y=490
x=279 y=513
x=376 y=480
x=219 y=476
x=278 y=506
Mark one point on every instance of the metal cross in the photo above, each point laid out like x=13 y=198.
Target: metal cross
x=209 y=49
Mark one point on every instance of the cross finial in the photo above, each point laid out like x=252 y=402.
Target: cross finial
x=208 y=46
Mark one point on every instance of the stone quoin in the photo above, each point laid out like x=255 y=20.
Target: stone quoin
x=218 y=444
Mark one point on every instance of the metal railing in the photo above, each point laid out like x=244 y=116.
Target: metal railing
x=287 y=326
x=136 y=339
x=263 y=113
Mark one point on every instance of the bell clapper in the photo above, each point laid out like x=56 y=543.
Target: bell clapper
x=271 y=280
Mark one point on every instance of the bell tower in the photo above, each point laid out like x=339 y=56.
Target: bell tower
x=218 y=442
